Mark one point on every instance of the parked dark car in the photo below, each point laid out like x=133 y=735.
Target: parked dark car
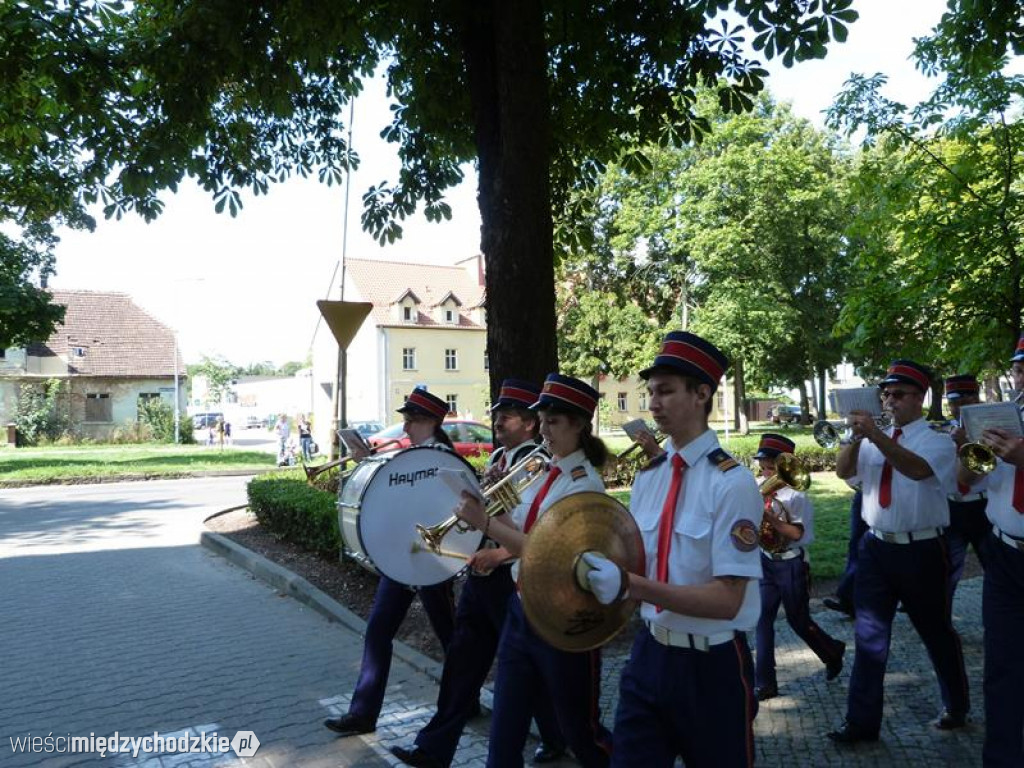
x=470 y=438
x=785 y=414
x=206 y=420
x=366 y=428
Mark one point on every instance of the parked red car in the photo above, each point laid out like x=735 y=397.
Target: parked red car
x=470 y=438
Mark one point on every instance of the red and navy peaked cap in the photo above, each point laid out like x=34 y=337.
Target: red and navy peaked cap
x=907 y=372
x=516 y=393
x=772 y=445
x=687 y=353
x=567 y=394
x=1018 y=353
x=423 y=403
x=960 y=385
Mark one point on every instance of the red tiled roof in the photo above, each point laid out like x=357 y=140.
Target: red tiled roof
x=384 y=282
x=118 y=337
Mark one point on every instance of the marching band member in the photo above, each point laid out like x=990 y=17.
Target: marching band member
x=483 y=603
x=1002 y=604
x=424 y=413
x=967 y=522
x=790 y=515
x=687 y=689
x=905 y=473
x=529 y=668
x=842 y=601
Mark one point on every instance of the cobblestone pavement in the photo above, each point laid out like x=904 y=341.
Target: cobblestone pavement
x=115 y=620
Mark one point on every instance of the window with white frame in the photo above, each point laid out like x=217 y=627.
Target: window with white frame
x=642 y=401
x=99 y=407
x=451 y=359
x=407 y=314
x=623 y=400
x=408 y=358
x=449 y=316
x=453 y=403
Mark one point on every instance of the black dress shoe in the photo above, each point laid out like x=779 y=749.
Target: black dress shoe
x=768 y=692
x=833 y=668
x=835 y=604
x=349 y=725
x=848 y=733
x=548 y=753
x=949 y=721
x=416 y=757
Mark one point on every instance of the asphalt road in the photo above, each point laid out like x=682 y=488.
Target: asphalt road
x=114 y=620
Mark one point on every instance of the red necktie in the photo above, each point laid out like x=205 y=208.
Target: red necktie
x=1018 y=490
x=885 y=489
x=531 y=516
x=668 y=518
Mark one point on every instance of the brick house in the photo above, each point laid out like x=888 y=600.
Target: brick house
x=111 y=353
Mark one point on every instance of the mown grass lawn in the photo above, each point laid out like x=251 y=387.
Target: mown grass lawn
x=831 y=499
x=56 y=464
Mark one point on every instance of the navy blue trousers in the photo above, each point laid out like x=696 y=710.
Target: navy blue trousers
x=679 y=702
x=968 y=525
x=916 y=575
x=1002 y=610
x=529 y=669
x=479 y=619
x=390 y=605
x=784 y=582
x=844 y=590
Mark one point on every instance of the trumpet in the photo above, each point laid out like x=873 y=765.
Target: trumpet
x=502 y=496
x=831 y=434
x=312 y=473
x=977 y=458
x=791 y=472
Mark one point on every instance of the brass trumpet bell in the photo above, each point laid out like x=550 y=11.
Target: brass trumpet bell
x=503 y=496
x=558 y=606
x=977 y=458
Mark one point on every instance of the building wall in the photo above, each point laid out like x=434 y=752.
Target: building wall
x=468 y=382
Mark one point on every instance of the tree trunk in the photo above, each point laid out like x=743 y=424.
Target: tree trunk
x=506 y=66
x=805 y=410
x=822 y=406
x=935 y=409
x=740 y=421
x=993 y=393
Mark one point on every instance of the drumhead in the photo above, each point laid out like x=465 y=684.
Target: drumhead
x=407 y=490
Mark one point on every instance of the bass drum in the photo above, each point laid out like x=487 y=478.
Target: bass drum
x=381 y=504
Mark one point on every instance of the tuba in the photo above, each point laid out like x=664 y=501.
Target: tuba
x=791 y=472
x=502 y=496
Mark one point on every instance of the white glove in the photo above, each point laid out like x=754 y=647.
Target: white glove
x=607 y=581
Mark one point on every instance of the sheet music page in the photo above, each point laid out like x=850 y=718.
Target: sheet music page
x=634 y=428
x=459 y=480
x=858 y=399
x=977 y=418
x=353 y=440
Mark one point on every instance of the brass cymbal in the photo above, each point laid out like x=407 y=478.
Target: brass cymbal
x=560 y=610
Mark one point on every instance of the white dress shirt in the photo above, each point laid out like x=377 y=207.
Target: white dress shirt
x=915 y=504
x=714 y=515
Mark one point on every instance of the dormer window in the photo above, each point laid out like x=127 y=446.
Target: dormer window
x=449 y=316
x=407 y=314
x=78 y=351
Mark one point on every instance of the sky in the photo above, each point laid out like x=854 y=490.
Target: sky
x=245 y=288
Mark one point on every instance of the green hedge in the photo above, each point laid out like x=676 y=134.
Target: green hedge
x=287 y=505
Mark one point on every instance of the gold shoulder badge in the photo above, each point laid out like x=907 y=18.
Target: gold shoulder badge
x=578 y=473
x=722 y=460
x=744 y=536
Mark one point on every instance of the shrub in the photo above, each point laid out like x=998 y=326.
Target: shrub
x=158 y=415
x=42 y=413
x=287 y=505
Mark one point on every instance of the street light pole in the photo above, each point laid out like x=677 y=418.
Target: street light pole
x=177 y=396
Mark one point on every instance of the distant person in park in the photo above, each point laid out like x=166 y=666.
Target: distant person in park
x=219 y=427
x=227 y=432
x=787 y=573
x=905 y=473
x=283 y=430
x=967 y=522
x=305 y=438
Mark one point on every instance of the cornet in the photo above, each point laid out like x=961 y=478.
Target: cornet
x=503 y=496
x=832 y=434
